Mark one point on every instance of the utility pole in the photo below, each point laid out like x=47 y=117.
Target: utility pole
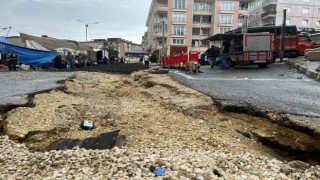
x=244 y=23
x=87 y=25
x=283 y=29
x=8 y=31
x=162 y=41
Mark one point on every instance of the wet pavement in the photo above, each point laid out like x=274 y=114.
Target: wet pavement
x=274 y=89
x=15 y=85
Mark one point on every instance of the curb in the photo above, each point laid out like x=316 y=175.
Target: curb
x=304 y=69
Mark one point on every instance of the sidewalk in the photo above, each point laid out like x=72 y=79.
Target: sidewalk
x=306 y=67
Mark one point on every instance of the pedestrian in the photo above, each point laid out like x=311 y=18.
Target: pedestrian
x=105 y=60
x=224 y=53
x=13 y=60
x=70 y=60
x=86 y=60
x=146 y=60
x=3 y=58
x=57 y=61
x=212 y=54
x=199 y=58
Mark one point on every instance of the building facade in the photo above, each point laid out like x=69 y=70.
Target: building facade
x=181 y=25
x=120 y=45
x=302 y=13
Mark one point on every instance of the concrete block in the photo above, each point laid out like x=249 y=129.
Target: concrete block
x=313 y=55
x=312 y=74
x=303 y=69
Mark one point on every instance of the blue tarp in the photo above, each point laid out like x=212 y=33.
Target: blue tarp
x=3 y=39
x=27 y=56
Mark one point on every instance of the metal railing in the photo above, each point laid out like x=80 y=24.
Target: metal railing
x=269 y=2
x=269 y=13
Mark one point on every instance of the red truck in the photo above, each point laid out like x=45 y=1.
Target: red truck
x=295 y=41
x=248 y=48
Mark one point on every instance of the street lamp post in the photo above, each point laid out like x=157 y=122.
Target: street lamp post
x=163 y=21
x=87 y=25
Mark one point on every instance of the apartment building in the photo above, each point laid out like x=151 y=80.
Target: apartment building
x=181 y=25
x=302 y=13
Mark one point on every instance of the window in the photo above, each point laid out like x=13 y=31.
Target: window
x=177 y=41
x=257 y=14
x=179 y=17
x=250 y=6
x=318 y=23
x=204 y=19
x=179 y=4
x=226 y=6
x=224 y=29
x=226 y=19
x=205 y=31
x=163 y=4
x=258 y=3
x=288 y=22
x=200 y=31
x=195 y=31
x=305 y=22
x=288 y=9
x=318 y=10
x=305 y=10
x=159 y=28
x=178 y=30
x=202 y=6
x=199 y=43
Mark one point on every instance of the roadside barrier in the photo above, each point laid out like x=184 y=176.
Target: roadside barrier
x=179 y=60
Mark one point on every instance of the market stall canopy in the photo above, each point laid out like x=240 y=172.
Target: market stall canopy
x=137 y=52
x=53 y=43
x=27 y=55
x=219 y=37
x=4 y=40
x=63 y=49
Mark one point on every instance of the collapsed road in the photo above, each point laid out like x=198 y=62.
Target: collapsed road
x=166 y=124
x=278 y=92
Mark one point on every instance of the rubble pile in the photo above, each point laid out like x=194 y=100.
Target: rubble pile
x=16 y=162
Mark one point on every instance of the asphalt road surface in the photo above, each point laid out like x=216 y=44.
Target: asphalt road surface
x=274 y=89
x=13 y=85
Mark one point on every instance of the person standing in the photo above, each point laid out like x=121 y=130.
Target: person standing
x=57 y=61
x=224 y=54
x=146 y=60
x=212 y=54
x=3 y=58
x=70 y=60
x=13 y=60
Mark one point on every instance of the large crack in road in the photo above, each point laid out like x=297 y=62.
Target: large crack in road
x=152 y=111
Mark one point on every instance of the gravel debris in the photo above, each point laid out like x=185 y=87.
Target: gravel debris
x=17 y=162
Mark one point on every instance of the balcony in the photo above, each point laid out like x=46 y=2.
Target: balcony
x=202 y=13
x=162 y=7
x=269 y=14
x=269 y=3
x=159 y=34
x=229 y=11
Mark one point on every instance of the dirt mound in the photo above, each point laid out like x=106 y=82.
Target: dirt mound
x=120 y=68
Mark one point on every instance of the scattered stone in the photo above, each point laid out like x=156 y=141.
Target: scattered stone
x=244 y=133
x=104 y=141
x=299 y=165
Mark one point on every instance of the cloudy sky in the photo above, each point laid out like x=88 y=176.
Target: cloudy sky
x=58 y=18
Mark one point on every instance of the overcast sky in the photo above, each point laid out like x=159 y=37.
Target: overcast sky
x=58 y=18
